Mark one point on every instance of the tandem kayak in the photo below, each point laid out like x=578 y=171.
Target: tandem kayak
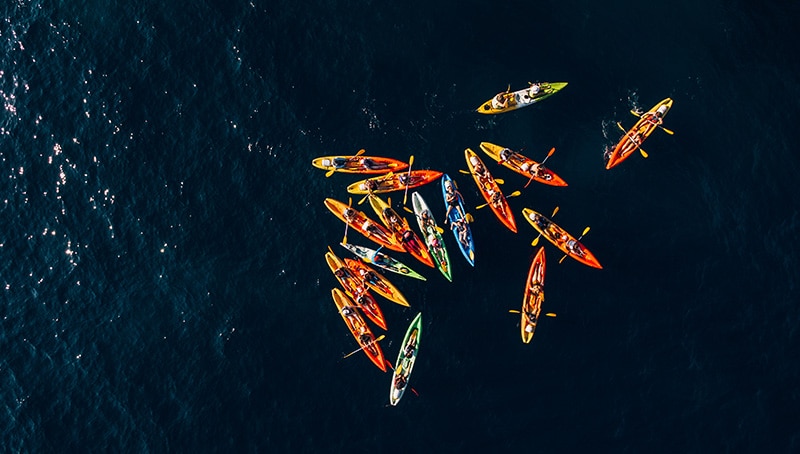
x=376 y=282
x=355 y=289
x=434 y=240
x=522 y=164
x=513 y=100
x=403 y=234
x=405 y=360
x=358 y=328
x=456 y=216
x=382 y=260
x=359 y=222
x=359 y=164
x=632 y=140
x=490 y=190
x=533 y=297
x=560 y=238
x=394 y=182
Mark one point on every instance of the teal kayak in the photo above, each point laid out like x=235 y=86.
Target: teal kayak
x=405 y=360
x=382 y=260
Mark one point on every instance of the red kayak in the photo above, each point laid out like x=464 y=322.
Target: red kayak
x=533 y=298
x=359 y=329
x=355 y=289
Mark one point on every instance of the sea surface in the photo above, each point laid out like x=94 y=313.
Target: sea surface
x=162 y=231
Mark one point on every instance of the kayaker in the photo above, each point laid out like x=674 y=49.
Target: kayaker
x=500 y=101
x=452 y=196
x=409 y=350
x=365 y=339
x=407 y=236
x=347 y=311
x=369 y=164
x=496 y=197
x=461 y=229
x=370 y=184
x=349 y=214
x=400 y=382
x=534 y=90
x=339 y=162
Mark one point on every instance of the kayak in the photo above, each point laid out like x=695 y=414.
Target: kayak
x=560 y=238
x=376 y=282
x=355 y=289
x=359 y=164
x=433 y=239
x=632 y=140
x=403 y=234
x=358 y=328
x=405 y=360
x=382 y=260
x=359 y=222
x=456 y=217
x=490 y=190
x=521 y=164
x=394 y=182
x=533 y=297
x=513 y=100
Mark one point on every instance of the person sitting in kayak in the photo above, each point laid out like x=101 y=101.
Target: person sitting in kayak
x=452 y=196
x=370 y=185
x=369 y=164
x=531 y=316
x=340 y=272
x=371 y=228
x=340 y=162
x=534 y=90
x=348 y=311
x=572 y=246
x=349 y=214
x=365 y=338
x=407 y=236
x=377 y=259
x=400 y=382
x=434 y=241
x=461 y=229
x=500 y=101
x=495 y=199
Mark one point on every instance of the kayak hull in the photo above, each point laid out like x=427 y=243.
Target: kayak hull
x=355 y=289
x=382 y=260
x=522 y=165
x=490 y=190
x=521 y=98
x=376 y=282
x=634 y=137
x=455 y=218
x=433 y=239
x=560 y=238
x=359 y=220
x=405 y=360
x=366 y=165
x=533 y=297
x=358 y=328
x=395 y=182
x=403 y=234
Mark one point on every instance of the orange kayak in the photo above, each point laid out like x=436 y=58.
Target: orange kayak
x=376 y=281
x=358 y=327
x=355 y=289
x=359 y=164
x=359 y=222
x=402 y=232
x=560 y=238
x=523 y=165
x=490 y=190
x=533 y=298
x=632 y=140
x=394 y=182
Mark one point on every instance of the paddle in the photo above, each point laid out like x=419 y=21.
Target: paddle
x=513 y=194
x=496 y=180
x=536 y=240
x=668 y=131
x=346 y=224
x=378 y=180
x=552 y=150
x=644 y=153
x=408 y=178
x=585 y=231
x=330 y=172
x=378 y=339
x=514 y=311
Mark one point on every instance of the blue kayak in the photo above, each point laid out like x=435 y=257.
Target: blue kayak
x=456 y=219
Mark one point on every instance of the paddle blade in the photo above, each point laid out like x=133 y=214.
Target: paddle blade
x=562 y=259
x=636 y=113
x=551 y=314
x=470 y=219
x=554 y=212
x=535 y=240
x=619 y=125
x=478 y=208
x=410 y=160
x=408 y=209
x=644 y=153
x=440 y=230
x=514 y=194
x=513 y=311
x=585 y=231
x=465 y=172
x=499 y=181
x=668 y=131
x=360 y=152
x=329 y=173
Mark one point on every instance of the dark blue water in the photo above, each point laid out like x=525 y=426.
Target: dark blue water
x=162 y=231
